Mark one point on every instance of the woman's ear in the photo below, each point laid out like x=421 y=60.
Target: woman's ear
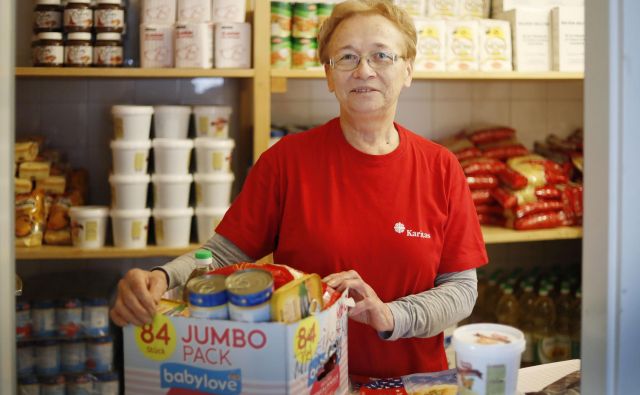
x=409 y=75
x=328 y=74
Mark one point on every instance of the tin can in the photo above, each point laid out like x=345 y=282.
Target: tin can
x=249 y=292
x=107 y=384
x=304 y=53
x=305 y=20
x=28 y=385
x=100 y=354
x=280 y=52
x=73 y=355
x=23 y=320
x=69 y=317
x=47 y=357
x=208 y=297
x=44 y=318
x=25 y=358
x=53 y=385
x=79 y=384
x=281 y=18
x=324 y=12
x=95 y=317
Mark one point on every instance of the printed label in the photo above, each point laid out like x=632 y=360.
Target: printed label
x=108 y=56
x=139 y=160
x=203 y=126
x=159 y=229
x=50 y=55
x=496 y=376
x=47 y=20
x=221 y=382
x=157 y=341
x=109 y=18
x=91 y=231
x=136 y=230
x=78 y=55
x=305 y=341
x=217 y=160
x=82 y=17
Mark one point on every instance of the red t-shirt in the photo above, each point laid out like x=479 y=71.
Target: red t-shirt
x=399 y=220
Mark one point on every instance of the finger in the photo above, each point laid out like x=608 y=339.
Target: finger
x=133 y=305
x=157 y=287
x=116 y=318
x=140 y=287
x=125 y=314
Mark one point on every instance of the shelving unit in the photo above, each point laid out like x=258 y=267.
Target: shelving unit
x=67 y=252
x=94 y=72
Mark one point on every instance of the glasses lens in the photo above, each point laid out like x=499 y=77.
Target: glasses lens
x=347 y=62
x=376 y=60
x=381 y=59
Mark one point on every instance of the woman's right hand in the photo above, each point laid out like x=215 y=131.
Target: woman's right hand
x=139 y=291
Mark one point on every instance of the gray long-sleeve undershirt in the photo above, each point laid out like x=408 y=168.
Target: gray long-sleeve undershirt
x=425 y=314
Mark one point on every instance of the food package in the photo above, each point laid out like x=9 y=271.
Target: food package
x=526 y=209
x=26 y=151
x=503 y=149
x=462 y=45
x=30 y=219
x=462 y=148
x=539 y=171
x=34 y=170
x=482 y=182
x=431 y=46
x=495 y=45
x=482 y=166
x=58 y=230
x=544 y=220
x=22 y=186
x=482 y=196
x=52 y=184
x=491 y=220
x=490 y=135
x=297 y=299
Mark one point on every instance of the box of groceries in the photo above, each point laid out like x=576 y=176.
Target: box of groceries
x=244 y=329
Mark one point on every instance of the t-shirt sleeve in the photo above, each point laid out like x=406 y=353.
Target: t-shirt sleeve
x=252 y=222
x=463 y=244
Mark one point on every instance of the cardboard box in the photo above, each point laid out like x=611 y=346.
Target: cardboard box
x=495 y=45
x=462 y=45
x=567 y=38
x=431 y=48
x=229 y=357
x=500 y=6
x=530 y=38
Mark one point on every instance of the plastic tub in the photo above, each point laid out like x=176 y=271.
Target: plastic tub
x=131 y=122
x=171 y=122
x=213 y=189
x=129 y=192
x=486 y=351
x=207 y=218
x=130 y=157
x=88 y=225
x=130 y=227
x=171 y=191
x=173 y=226
x=172 y=156
x=213 y=155
x=212 y=121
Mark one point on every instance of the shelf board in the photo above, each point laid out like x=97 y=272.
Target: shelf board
x=497 y=235
x=67 y=252
x=126 y=72
x=443 y=75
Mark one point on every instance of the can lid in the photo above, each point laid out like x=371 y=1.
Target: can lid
x=203 y=254
x=249 y=287
x=207 y=290
x=79 y=36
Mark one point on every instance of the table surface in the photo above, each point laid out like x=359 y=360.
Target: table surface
x=535 y=378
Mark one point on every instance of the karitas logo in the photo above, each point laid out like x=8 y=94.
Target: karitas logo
x=400 y=229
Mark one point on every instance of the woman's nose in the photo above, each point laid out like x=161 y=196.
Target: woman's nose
x=363 y=69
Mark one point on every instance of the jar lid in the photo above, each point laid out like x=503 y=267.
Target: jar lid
x=108 y=36
x=79 y=1
x=79 y=36
x=117 y=2
x=50 y=36
x=48 y=2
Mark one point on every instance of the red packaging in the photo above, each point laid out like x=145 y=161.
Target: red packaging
x=282 y=274
x=481 y=196
x=540 y=221
x=491 y=220
x=462 y=148
x=504 y=150
x=491 y=209
x=512 y=178
x=548 y=192
x=484 y=136
x=482 y=166
x=526 y=209
x=504 y=198
x=482 y=182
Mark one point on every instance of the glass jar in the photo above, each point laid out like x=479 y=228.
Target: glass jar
x=107 y=50
x=78 y=16
x=108 y=16
x=78 y=51
x=47 y=16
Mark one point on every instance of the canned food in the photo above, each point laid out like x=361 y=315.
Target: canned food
x=281 y=18
x=100 y=354
x=47 y=357
x=79 y=384
x=52 y=385
x=249 y=292
x=107 y=384
x=28 y=385
x=25 y=358
x=44 y=318
x=305 y=20
x=208 y=297
x=73 y=355
x=280 y=52
x=23 y=320
x=304 y=53
x=95 y=316
x=69 y=317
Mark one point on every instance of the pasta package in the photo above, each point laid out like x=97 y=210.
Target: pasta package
x=30 y=219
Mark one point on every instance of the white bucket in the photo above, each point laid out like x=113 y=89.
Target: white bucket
x=173 y=226
x=88 y=225
x=213 y=155
x=172 y=156
x=212 y=121
x=129 y=192
x=130 y=157
x=207 y=219
x=131 y=122
x=171 y=191
x=488 y=355
x=213 y=189
x=171 y=122
x=130 y=227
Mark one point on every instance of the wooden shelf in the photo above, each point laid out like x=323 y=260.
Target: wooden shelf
x=441 y=75
x=67 y=252
x=497 y=235
x=125 y=72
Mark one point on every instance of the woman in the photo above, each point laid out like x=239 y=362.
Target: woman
x=360 y=200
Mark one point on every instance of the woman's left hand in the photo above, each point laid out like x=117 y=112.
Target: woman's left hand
x=369 y=309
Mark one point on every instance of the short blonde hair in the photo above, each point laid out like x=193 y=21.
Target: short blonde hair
x=351 y=8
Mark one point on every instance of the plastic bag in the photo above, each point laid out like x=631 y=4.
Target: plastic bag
x=488 y=135
x=482 y=166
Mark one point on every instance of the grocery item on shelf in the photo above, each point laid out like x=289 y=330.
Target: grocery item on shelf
x=213 y=189
x=108 y=50
x=567 y=38
x=159 y=12
x=130 y=227
x=304 y=53
x=304 y=20
x=78 y=16
x=171 y=191
x=194 y=11
x=207 y=218
x=232 y=45
x=531 y=39
x=281 y=12
x=30 y=219
x=131 y=122
x=129 y=192
x=194 y=45
x=500 y=6
x=48 y=50
x=462 y=45
x=281 y=52
x=494 y=45
x=172 y=156
x=212 y=121
x=413 y=7
x=228 y=11
x=431 y=46
x=109 y=16
x=78 y=50
x=47 y=16
x=156 y=46
x=130 y=157
x=213 y=155
x=442 y=9
x=88 y=226
x=171 y=122
x=203 y=264
x=172 y=226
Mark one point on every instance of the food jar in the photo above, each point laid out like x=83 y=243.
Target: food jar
x=107 y=51
x=49 y=50
x=108 y=16
x=78 y=51
x=47 y=16
x=78 y=16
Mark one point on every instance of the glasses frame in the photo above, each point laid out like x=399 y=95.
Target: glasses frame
x=394 y=58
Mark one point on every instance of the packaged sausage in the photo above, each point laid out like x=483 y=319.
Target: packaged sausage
x=512 y=178
x=527 y=209
x=481 y=196
x=482 y=182
x=462 y=148
x=489 y=135
x=543 y=220
x=491 y=219
x=503 y=149
x=30 y=219
x=482 y=166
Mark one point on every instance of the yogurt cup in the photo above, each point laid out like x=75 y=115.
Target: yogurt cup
x=88 y=225
x=213 y=189
x=171 y=191
x=130 y=227
x=172 y=156
x=131 y=123
x=173 y=226
x=212 y=121
x=207 y=219
x=129 y=192
x=213 y=155
x=488 y=358
x=130 y=157
x=171 y=122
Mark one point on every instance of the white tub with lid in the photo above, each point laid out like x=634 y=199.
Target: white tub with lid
x=207 y=218
x=171 y=122
x=172 y=226
x=88 y=225
x=213 y=189
x=172 y=156
x=130 y=227
x=129 y=192
x=171 y=191
x=212 y=121
x=213 y=155
x=130 y=157
x=131 y=122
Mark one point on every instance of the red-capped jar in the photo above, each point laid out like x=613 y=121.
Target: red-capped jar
x=47 y=16
x=107 y=50
x=78 y=50
x=108 y=16
x=78 y=16
x=49 y=50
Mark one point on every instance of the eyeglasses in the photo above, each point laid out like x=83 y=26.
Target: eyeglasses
x=376 y=60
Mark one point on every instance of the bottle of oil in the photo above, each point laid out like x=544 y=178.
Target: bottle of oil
x=564 y=309
x=492 y=295
x=525 y=323
x=507 y=310
x=204 y=264
x=544 y=320
x=576 y=325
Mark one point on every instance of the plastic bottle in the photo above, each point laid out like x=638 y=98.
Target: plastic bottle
x=204 y=264
x=544 y=320
x=564 y=309
x=492 y=294
x=507 y=309
x=576 y=325
x=525 y=324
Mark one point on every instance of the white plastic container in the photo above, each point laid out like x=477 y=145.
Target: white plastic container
x=130 y=227
x=171 y=122
x=88 y=225
x=207 y=218
x=129 y=192
x=488 y=357
x=232 y=45
x=228 y=11
x=171 y=191
x=173 y=226
x=130 y=157
x=213 y=155
x=212 y=121
x=213 y=189
x=172 y=156
x=131 y=123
